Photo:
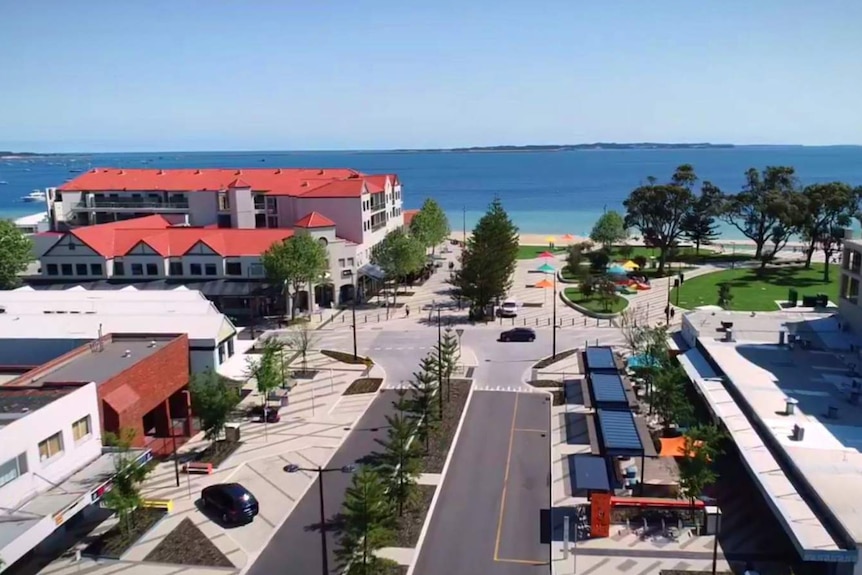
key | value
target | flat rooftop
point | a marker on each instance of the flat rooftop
(804, 480)
(96, 364)
(18, 402)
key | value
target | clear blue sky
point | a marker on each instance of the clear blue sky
(116, 75)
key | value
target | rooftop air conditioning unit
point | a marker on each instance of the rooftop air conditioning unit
(798, 433)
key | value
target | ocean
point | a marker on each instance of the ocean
(544, 192)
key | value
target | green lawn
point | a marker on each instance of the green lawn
(758, 293)
(593, 303)
(530, 252)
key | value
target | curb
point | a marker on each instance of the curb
(591, 313)
(430, 515)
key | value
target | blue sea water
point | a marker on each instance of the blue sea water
(544, 192)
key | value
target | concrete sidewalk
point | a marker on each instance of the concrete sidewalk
(313, 425)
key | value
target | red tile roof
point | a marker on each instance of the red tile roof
(379, 180)
(314, 220)
(118, 238)
(321, 183)
(408, 216)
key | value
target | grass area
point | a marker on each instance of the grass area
(594, 304)
(363, 385)
(187, 545)
(753, 292)
(530, 252)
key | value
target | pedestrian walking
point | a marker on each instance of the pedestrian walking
(406, 311)
(672, 313)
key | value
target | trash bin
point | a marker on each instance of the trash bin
(231, 432)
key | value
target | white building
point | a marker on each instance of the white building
(37, 326)
(52, 465)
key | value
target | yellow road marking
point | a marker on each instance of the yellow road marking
(532, 430)
(522, 561)
(505, 482)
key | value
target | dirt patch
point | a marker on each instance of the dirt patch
(348, 358)
(546, 383)
(554, 359)
(187, 545)
(114, 542)
(217, 452)
(559, 397)
(434, 460)
(409, 525)
(363, 385)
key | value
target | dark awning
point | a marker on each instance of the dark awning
(600, 358)
(588, 472)
(372, 271)
(619, 434)
(581, 430)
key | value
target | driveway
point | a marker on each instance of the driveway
(488, 518)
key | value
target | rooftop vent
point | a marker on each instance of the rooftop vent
(121, 172)
(278, 171)
(237, 173)
(320, 173)
(152, 343)
(127, 353)
(197, 172)
(728, 335)
(798, 433)
(832, 412)
(304, 184)
(790, 405)
(160, 172)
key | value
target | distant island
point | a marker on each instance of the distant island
(6, 155)
(574, 147)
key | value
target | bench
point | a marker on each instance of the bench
(194, 467)
(166, 504)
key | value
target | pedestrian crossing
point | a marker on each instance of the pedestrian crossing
(402, 348)
(506, 388)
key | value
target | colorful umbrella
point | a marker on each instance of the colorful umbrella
(617, 270)
(546, 254)
(568, 237)
(630, 265)
(544, 284)
(547, 269)
(550, 239)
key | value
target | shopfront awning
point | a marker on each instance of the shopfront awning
(588, 473)
(373, 271)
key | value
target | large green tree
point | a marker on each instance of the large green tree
(827, 207)
(265, 369)
(488, 260)
(212, 401)
(399, 255)
(448, 353)
(699, 225)
(367, 523)
(401, 462)
(16, 251)
(658, 211)
(766, 210)
(609, 229)
(697, 464)
(423, 388)
(295, 263)
(430, 225)
(668, 399)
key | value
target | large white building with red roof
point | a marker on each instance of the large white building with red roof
(210, 226)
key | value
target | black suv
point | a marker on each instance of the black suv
(518, 334)
(231, 502)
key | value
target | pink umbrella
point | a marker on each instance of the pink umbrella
(546, 254)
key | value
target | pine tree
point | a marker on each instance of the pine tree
(421, 405)
(367, 523)
(449, 354)
(401, 462)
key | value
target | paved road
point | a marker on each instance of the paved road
(487, 518)
(296, 546)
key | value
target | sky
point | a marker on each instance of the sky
(109, 75)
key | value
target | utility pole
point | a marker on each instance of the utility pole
(554, 331)
(439, 364)
(464, 225)
(353, 309)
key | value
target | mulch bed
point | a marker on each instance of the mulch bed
(187, 545)
(363, 385)
(434, 460)
(345, 357)
(409, 525)
(546, 383)
(114, 542)
(392, 568)
(304, 373)
(554, 359)
(217, 452)
(559, 397)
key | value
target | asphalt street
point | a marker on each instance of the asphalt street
(488, 516)
(296, 546)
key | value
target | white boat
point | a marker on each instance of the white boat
(34, 196)
(3, 182)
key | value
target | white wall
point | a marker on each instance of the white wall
(203, 208)
(345, 212)
(241, 208)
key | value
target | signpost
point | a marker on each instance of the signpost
(459, 332)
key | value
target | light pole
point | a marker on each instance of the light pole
(464, 227)
(291, 468)
(353, 309)
(715, 541)
(554, 331)
(439, 365)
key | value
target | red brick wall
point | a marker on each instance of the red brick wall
(154, 379)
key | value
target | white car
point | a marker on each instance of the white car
(509, 308)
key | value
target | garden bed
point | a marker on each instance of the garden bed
(409, 525)
(114, 542)
(554, 359)
(217, 452)
(363, 385)
(433, 461)
(304, 373)
(348, 358)
(187, 545)
(546, 383)
(559, 397)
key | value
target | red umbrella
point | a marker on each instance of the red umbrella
(546, 254)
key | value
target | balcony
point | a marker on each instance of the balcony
(130, 205)
(377, 206)
(379, 225)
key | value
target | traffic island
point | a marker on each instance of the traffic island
(187, 545)
(552, 359)
(364, 385)
(347, 358)
(118, 539)
(409, 525)
(441, 442)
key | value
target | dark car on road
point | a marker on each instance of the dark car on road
(231, 502)
(518, 334)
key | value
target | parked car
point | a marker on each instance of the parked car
(257, 413)
(232, 502)
(508, 309)
(519, 334)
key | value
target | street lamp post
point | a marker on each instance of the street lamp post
(291, 468)
(715, 541)
(554, 331)
(439, 364)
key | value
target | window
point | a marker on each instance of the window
(72, 247)
(51, 447)
(230, 348)
(81, 269)
(137, 269)
(260, 221)
(341, 262)
(350, 262)
(175, 268)
(272, 221)
(13, 469)
(223, 202)
(152, 270)
(119, 269)
(52, 269)
(195, 269)
(210, 269)
(95, 269)
(221, 354)
(233, 269)
(66, 269)
(81, 428)
(223, 221)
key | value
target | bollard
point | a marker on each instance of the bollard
(585, 321)
(378, 318)
(525, 321)
(537, 321)
(365, 318)
(549, 321)
(573, 322)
